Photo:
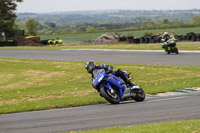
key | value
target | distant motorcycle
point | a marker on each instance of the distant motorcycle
(170, 46)
(113, 88)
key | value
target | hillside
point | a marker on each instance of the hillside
(101, 16)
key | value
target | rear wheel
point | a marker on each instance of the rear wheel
(140, 96)
(176, 49)
(110, 96)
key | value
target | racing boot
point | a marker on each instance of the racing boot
(134, 87)
(127, 81)
(120, 73)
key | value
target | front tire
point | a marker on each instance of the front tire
(113, 98)
(140, 96)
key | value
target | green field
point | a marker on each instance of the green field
(91, 36)
(189, 126)
(113, 46)
(28, 85)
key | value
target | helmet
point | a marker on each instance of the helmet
(90, 66)
(166, 34)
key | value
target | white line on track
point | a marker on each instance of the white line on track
(172, 98)
(182, 51)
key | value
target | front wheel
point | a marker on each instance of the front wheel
(110, 96)
(140, 96)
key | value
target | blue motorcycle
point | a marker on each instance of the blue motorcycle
(113, 88)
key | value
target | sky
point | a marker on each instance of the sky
(44, 6)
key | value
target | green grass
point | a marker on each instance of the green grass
(114, 46)
(189, 126)
(91, 36)
(27, 85)
(77, 37)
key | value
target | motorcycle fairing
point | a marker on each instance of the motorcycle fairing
(97, 80)
(118, 82)
(110, 79)
(108, 86)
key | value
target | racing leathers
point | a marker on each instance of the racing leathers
(168, 41)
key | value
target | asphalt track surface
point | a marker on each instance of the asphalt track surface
(153, 109)
(185, 58)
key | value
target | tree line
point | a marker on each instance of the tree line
(91, 21)
(33, 27)
(35, 24)
(118, 16)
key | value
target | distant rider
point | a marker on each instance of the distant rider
(91, 66)
(166, 37)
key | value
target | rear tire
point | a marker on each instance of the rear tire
(114, 99)
(140, 96)
(176, 49)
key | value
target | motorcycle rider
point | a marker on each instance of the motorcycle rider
(165, 38)
(91, 66)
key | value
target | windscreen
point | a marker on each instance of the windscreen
(96, 72)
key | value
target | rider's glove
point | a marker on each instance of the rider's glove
(94, 86)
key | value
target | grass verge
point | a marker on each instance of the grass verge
(189, 126)
(27, 85)
(113, 46)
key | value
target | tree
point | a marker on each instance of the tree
(81, 28)
(8, 16)
(52, 25)
(165, 21)
(32, 26)
(196, 20)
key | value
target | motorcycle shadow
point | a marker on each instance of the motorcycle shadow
(171, 54)
(126, 102)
